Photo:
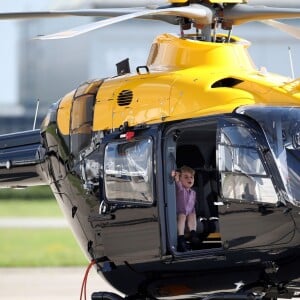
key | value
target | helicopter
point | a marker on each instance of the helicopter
(108, 148)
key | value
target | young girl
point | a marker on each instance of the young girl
(185, 203)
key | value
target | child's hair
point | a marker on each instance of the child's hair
(187, 169)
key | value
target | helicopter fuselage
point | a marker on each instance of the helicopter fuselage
(107, 150)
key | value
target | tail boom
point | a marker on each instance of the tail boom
(21, 160)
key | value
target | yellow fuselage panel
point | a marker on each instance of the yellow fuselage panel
(178, 1)
(64, 113)
(150, 100)
(158, 98)
(228, 1)
(271, 89)
(192, 93)
(184, 94)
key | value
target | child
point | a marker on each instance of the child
(185, 203)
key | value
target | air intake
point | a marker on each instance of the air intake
(125, 97)
(226, 82)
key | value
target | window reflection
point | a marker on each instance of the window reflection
(128, 171)
(239, 159)
(81, 122)
(281, 126)
(243, 176)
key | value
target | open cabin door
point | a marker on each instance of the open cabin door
(193, 144)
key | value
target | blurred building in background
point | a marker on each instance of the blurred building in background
(47, 70)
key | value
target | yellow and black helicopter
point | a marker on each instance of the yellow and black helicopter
(107, 150)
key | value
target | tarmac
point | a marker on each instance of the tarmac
(48, 283)
(29, 222)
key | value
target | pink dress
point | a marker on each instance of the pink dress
(185, 199)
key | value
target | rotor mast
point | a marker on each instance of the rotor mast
(207, 32)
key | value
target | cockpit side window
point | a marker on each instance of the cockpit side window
(128, 171)
(243, 174)
(281, 126)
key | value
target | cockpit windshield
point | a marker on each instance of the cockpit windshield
(281, 126)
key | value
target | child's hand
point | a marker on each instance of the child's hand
(175, 175)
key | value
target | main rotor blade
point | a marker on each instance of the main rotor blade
(198, 13)
(241, 13)
(291, 30)
(66, 13)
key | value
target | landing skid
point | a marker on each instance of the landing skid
(217, 296)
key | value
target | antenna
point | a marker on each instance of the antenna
(36, 112)
(291, 62)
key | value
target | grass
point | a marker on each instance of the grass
(37, 192)
(32, 247)
(32, 208)
(39, 247)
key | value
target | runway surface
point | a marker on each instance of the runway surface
(47, 283)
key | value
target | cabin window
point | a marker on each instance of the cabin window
(82, 114)
(128, 171)
(243, 175)
(81, 122)
(281, 127)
